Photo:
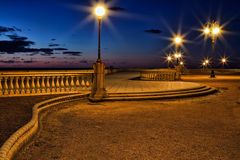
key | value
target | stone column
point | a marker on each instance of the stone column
(77, 87)
(57, 85)
(72, 84)
(17, 91)
(5, 86)
(38, 85)
(43, 85)
(22, 85)
(67, 84)
(53, 84)
(62, 84)
(27, 85)
(11, 86)
(1, 88)
(48, 85)
(98, 89)
(33, 85)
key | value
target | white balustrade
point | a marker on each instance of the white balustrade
(160, 75)
(40, 83)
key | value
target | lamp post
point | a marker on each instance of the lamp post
(177, 56)
(169, 60)
(204, 65)
(100, 12)
(98, 89)
(212, 30)
(224, 61)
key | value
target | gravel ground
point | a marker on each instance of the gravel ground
(15, 112)
(187, 129)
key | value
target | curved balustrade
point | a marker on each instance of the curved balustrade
(160, 75)
(40, 83)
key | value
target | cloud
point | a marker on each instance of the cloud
(71, 53)
(153, 31)
(8, 61)
(117, 9)
(15, 37)
(6, 29)
(9, 29)
(53, 45)
(29, 61)
(14, 46)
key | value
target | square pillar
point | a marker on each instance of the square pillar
(98, 92)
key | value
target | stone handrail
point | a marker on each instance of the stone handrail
(160, 75)
(43, 83)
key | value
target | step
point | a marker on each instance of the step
(154, 92)
(166, 96)
(157, 93)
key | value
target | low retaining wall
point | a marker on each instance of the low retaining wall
(25, 133)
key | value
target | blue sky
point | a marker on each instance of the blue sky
(126, 43)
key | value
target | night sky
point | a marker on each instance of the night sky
(60, 34)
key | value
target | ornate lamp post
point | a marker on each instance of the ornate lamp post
(212, 30)
(224, 61)
(178, 56)
(98, 89)
(169, 60)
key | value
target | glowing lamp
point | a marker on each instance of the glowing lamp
(206, 31)
(100, 11)
(178, 40)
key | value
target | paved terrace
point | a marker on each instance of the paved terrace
(122, 83)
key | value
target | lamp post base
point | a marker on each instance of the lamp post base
(212, 75)
(98, 90)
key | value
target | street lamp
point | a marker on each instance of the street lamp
(224, 61)
(178, 56)
(204, 65)
(98, 90)
(100, 11)
(212, 30)
(169, 60)
(178, 40)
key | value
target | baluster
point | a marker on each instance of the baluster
(83, 84)
(33, 87)
(77, 83)
(57, 85)
(53, 84)
(67, 84)
(5, 86)
(87, 84)
(43, 85)
(72, 88)
(27, 85)
(17, 89)
(1, 88)
(38, 85)
(22, 85)
(48, 85)
(11, 86)
(62, 84)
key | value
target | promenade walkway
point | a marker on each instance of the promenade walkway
(122, 83)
